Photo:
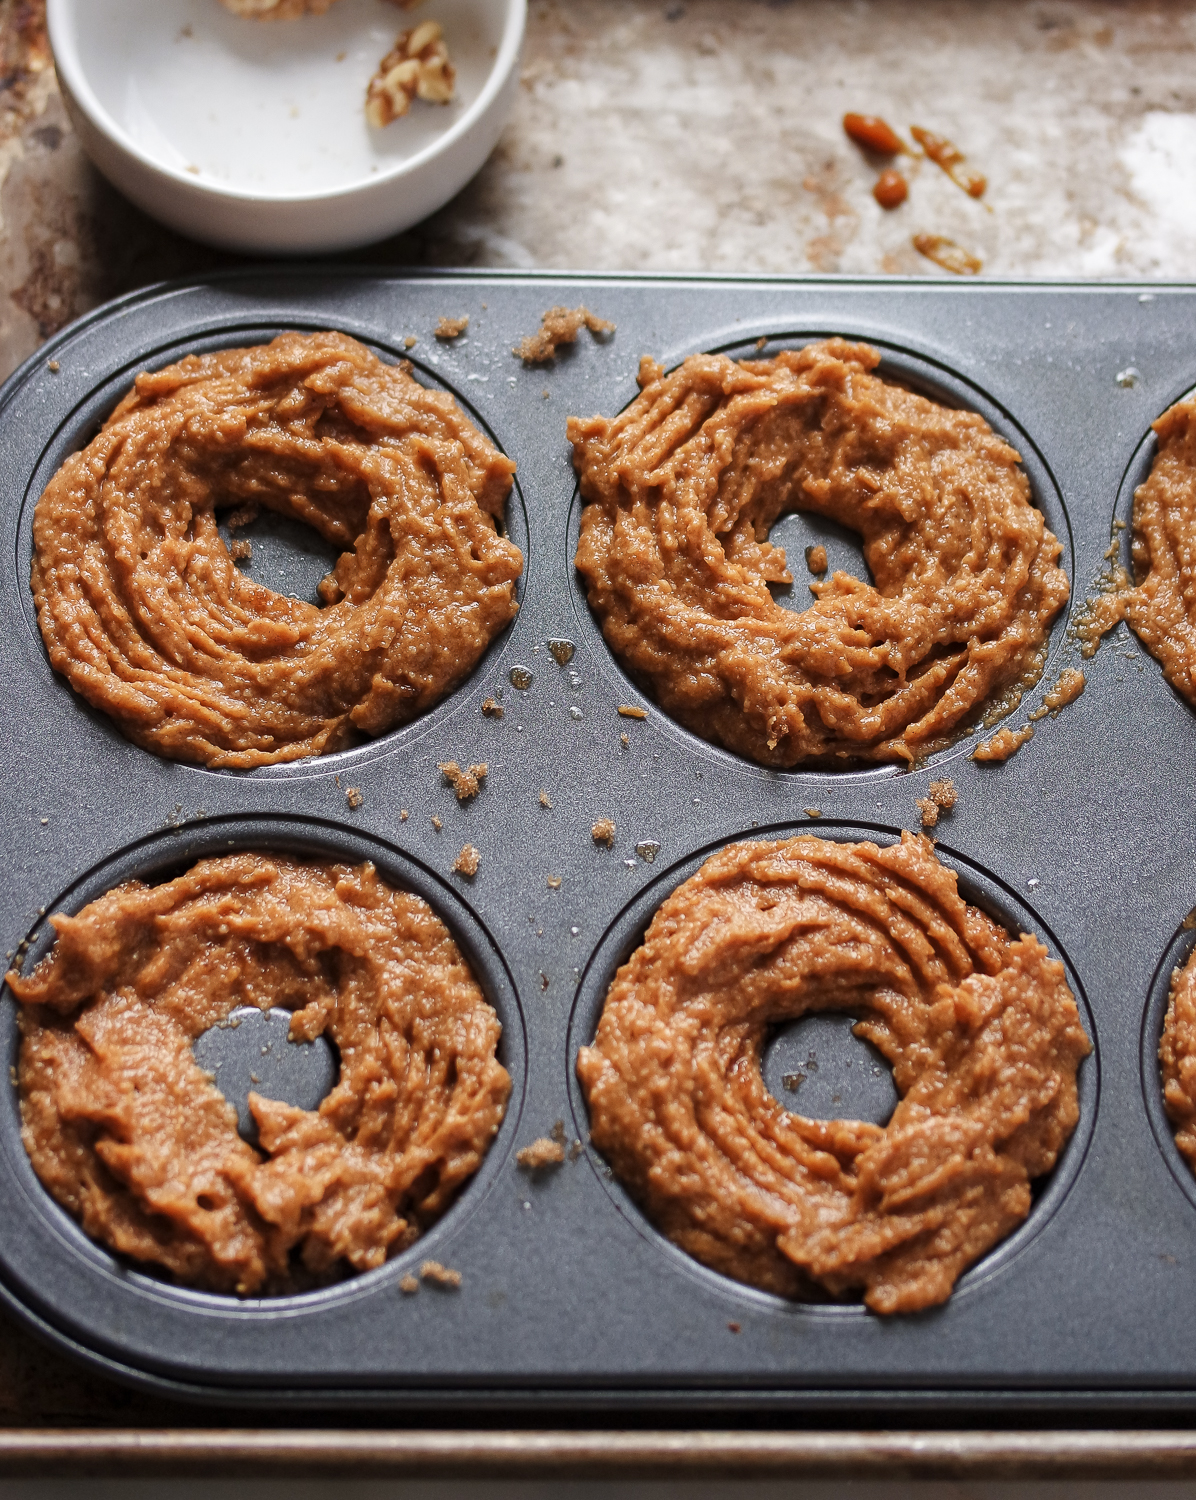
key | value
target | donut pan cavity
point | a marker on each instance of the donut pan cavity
(569, 1298)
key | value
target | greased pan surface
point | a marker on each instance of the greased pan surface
(568, 1294)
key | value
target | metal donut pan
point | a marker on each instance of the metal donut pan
(569, 1299)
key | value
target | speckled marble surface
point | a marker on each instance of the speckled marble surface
(690, 135)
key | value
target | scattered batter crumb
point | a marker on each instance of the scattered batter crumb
(466, 783)
(402, 814)
(353, 797)
(1066, 690)
(416, 66)
(545, 801)
(812, 812)
(625, 740)
(433, 1271)
(559, 325)
(554, 882)
(53, 366)
(240, 549)
(941, 798)
(816, 559)
(492, 708)
(541, 1153)
(409, 1284)
(946, 154)
(1003, 744)
(436, 823)
(630, 711)
(410, 341)
(603, 832)
(467, 862)
(451, 328)
(949, 255)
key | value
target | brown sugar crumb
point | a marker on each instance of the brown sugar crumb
(353, 797)
(946, 154)
(466, 783)
(949, 255)
(812, 812)
(545, 801)
(439, 1275)
(554, 882)
(467, 862)
(603, 832)
(417, 66)
(451, 328)
(630, 711)
(559, 325)
(816, 559)
(492, 708)
(890, 189)
(436, 823)
(240, 549)
(541, 1153)
(1004, 743)
(408, 1284)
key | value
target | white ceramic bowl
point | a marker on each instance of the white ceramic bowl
(252, 134)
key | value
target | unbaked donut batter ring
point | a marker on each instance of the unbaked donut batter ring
(133, 1138)
(144, 611)
(681, 489)
(981, 1030)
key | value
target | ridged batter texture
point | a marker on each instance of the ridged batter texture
(1177, 1059)
(681, 489)
(144, 611)
(981, 1030)
(132, 1137)
(1162, 608)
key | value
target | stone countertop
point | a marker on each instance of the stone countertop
(687, 135)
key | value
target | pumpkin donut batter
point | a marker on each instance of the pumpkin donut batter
(1177, 1059)
(132, 1137)
(981, 1030)
(1162, 608)
(145, 613)
(681, 490)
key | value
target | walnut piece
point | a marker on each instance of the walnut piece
(417, 66)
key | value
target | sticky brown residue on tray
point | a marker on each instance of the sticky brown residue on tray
(417, 66)
(145, 613)
(947, 254)
(451, 328)
(465, 782)
(559, 325)
(981, 1030)
(1004, 743)
(941, 797)
(603, 832)
(681, 489)
(128, 1133)
(468, 862)
(947, 155)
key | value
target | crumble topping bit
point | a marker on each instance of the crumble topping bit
(603, 832)
(467, 862)
(417, 66)
(941, 798)
(466, 783)
(559, 325)
(439, 1275)
(451, 328)
(408, 1284)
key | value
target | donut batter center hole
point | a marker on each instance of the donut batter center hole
(798, 531)
(249, 1053)
(287, 556)
(816, 1066)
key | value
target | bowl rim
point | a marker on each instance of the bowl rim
(60, 17)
